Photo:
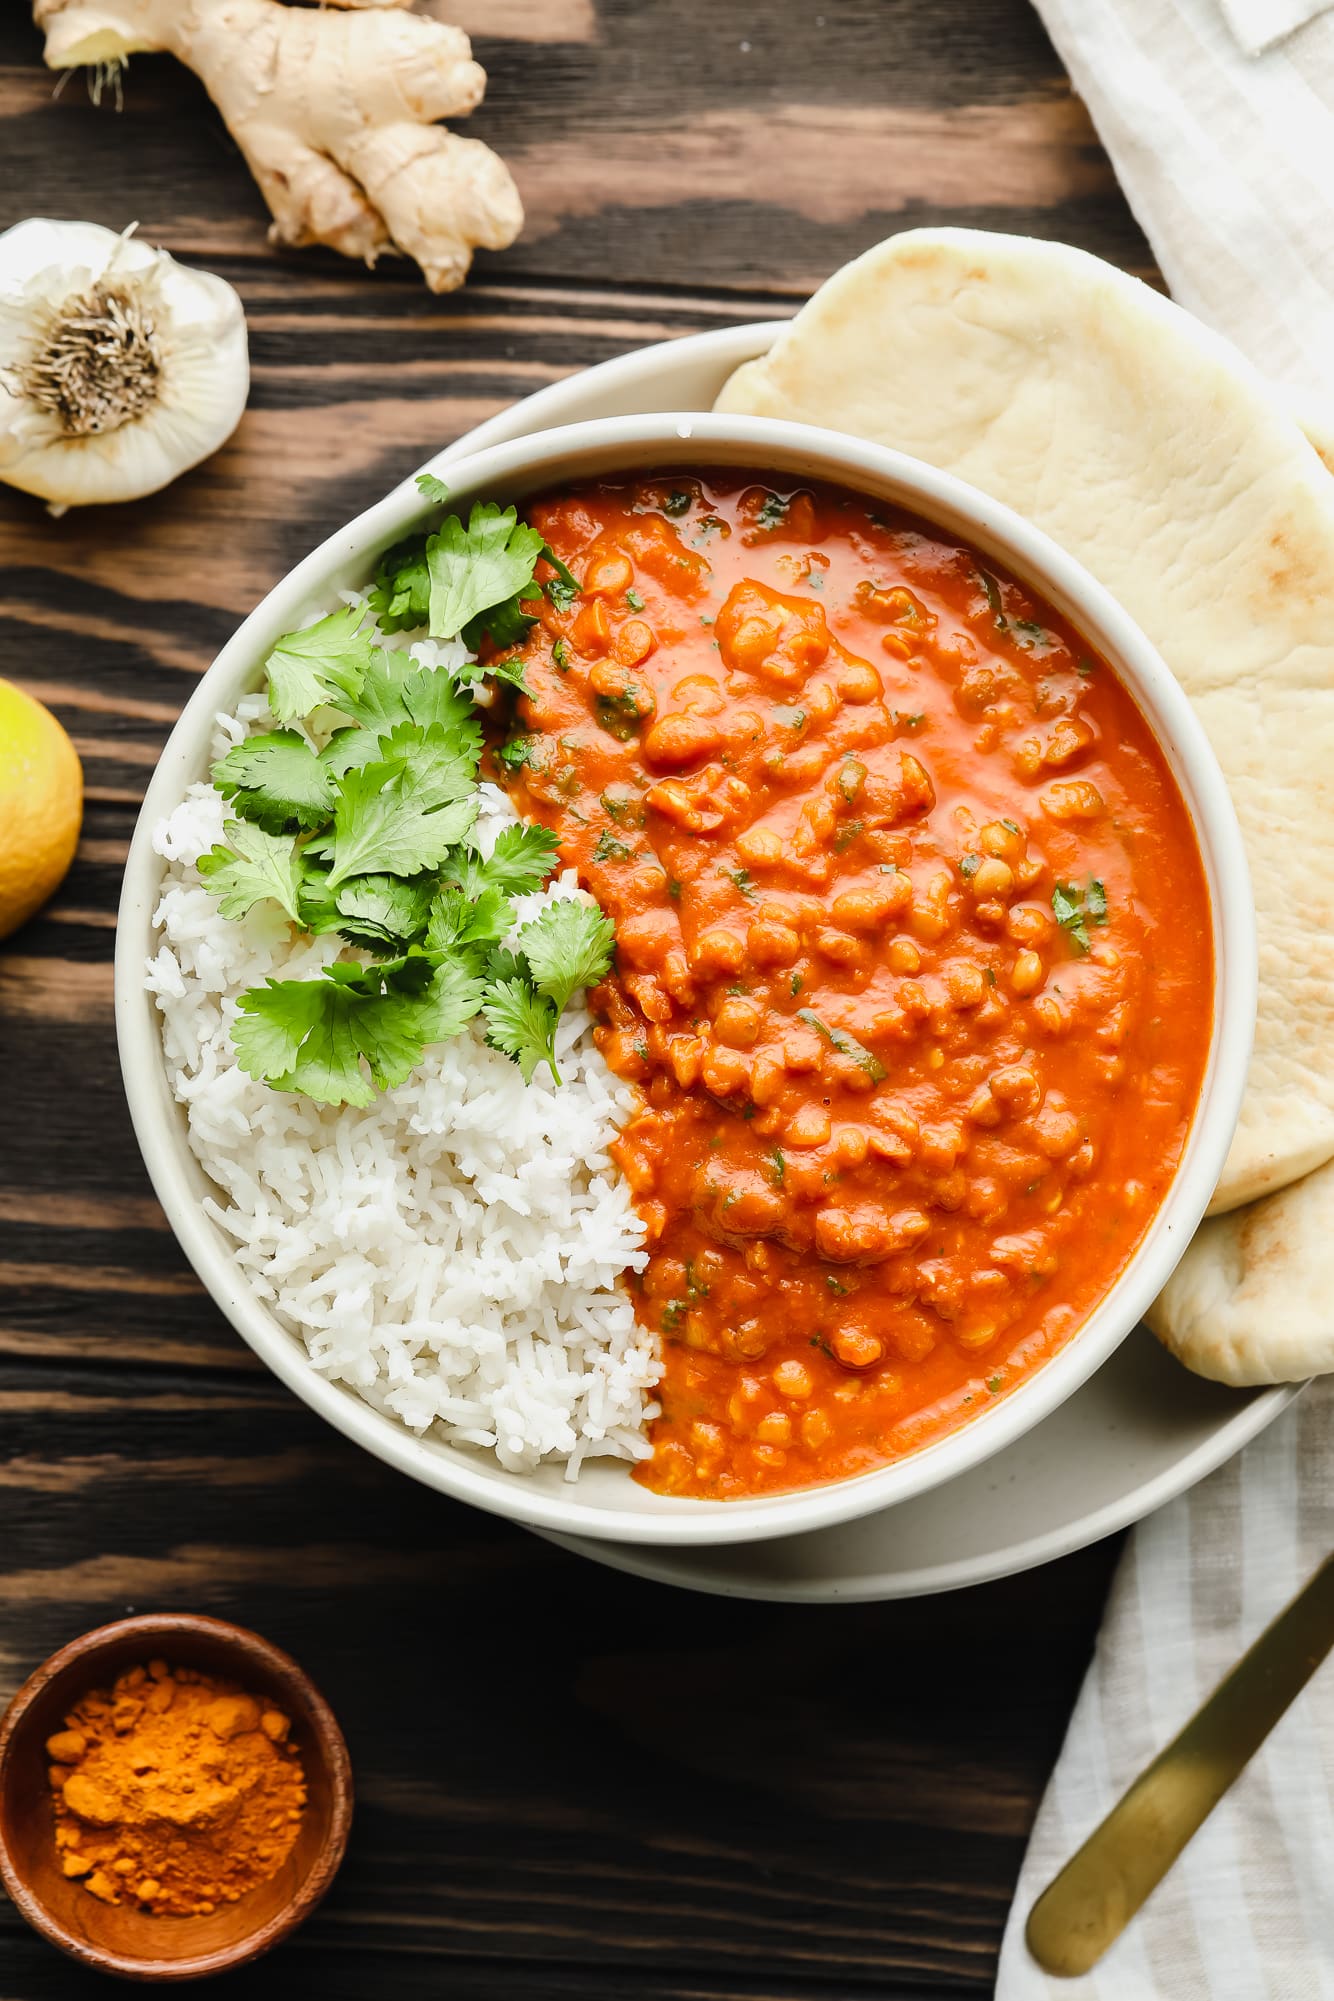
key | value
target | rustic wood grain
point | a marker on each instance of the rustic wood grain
(571, 1783)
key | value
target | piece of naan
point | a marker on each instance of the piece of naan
(1149, 448)
(1252, 1300)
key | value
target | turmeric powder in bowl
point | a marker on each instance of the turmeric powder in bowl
(174, 1791)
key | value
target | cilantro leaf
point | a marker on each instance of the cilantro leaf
(326, 662)
(393, 1033)
(401, 596)
(272, 1024)
(505, 625)
(458, 922)
(437, 756)
(403, 814)
(397, 698)
(257, 865)
(568, 946)
(475, 569)
(433, 488)
(521, 860)
(522, 1022)
(350, 749)
(509, 671)
(385, 912)
(449, 1001)
(502, 964)
(397, 690)
(276, 780)
(310, 1035)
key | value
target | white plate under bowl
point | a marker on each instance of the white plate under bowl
(1139, 1432)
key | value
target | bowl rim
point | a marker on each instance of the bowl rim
(526, 464)
(85, 1651)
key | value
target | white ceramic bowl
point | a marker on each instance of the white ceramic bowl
(605, 1501)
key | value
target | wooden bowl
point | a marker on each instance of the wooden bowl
(116, 1938)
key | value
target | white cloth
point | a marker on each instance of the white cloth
(1219, 119)
(1227, 160)
(1258, 24)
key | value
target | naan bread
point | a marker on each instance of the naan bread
(1149, 448)
(1252, 1301)
(1153, 451)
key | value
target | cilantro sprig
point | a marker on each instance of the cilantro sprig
(569, 945)
(309, 1035)
(372, 836)
(469, 580)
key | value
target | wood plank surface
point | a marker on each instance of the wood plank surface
(570, 1783)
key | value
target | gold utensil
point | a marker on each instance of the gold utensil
(1087, 1906)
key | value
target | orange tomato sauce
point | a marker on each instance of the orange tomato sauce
(914, 962)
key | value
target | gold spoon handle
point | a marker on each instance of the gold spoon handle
(1086, 1907)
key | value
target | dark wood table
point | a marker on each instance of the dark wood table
(781, 1803)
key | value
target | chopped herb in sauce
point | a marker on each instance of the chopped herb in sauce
(1029, 634)
(845, 1044)
(633, 599)
(773, 511)
(609, 849)
(618, 716)
(992, 594)
(1076, 908)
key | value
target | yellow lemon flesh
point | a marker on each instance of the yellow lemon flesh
(41, 805)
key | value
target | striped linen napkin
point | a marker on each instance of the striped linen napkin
(1219, 118)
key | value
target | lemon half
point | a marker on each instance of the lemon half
(41, 805)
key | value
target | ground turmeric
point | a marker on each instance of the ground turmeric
(174, 1792)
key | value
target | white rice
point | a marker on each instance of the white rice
(452, 1251)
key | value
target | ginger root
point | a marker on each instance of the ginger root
(334, 114)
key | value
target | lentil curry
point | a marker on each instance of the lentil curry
(914, 959)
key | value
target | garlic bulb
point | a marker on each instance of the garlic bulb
(118, 367)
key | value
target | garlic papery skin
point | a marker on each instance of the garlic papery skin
(119, 367)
